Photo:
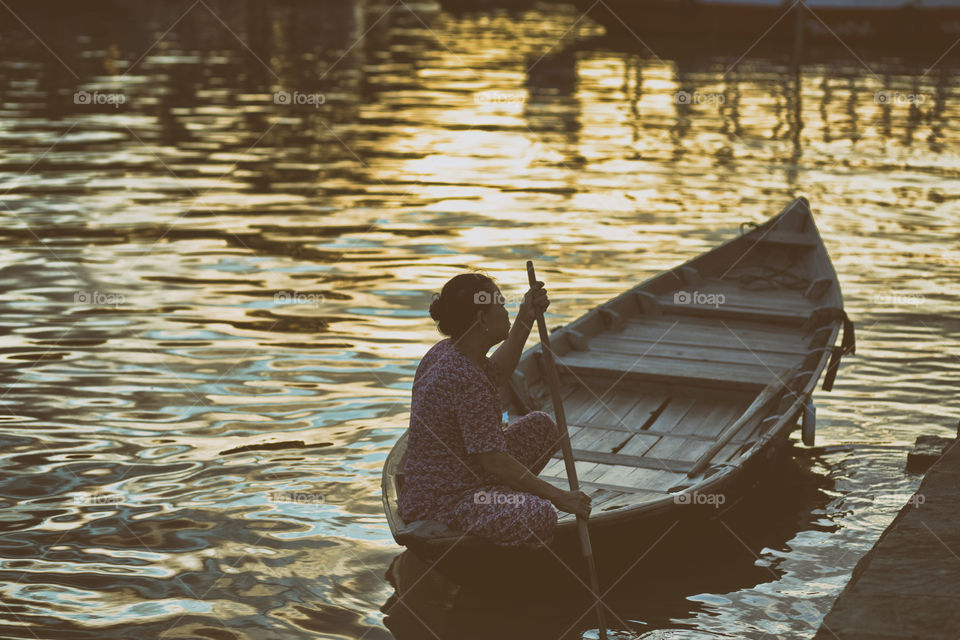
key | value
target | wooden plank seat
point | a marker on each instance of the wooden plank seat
(777, 297)
(731, 311)
(642, 462)
(652, 433)
(695, 354)
(726, 298)
(640, 367)
(718, 334)
(706, 351)
(589, 487)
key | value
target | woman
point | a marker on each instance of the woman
(463, 468)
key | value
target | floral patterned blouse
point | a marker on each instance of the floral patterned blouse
(455, 413)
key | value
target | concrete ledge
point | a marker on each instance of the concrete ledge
(908, 585)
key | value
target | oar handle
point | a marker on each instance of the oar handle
(553, 381)
(541, 324)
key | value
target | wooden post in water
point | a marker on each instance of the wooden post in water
(799, 11)
(553, 381)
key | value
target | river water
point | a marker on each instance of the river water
(222, 224)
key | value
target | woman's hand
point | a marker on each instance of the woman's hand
(515, 475)
(535, 301)
(576, 502)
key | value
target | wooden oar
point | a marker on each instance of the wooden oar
(553, 381)
(769, 393)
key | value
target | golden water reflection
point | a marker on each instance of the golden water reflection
(203, 268)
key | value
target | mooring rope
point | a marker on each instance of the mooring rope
(772, 278)
(765, 277)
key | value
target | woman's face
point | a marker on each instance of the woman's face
(497, 318)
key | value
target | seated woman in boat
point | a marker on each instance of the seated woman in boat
(463, 467)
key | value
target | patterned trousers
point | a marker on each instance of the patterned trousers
(504, 515)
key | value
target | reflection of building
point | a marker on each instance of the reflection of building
(206, 76)
(471, 6)
(697, 100)
(429, 106)
(886, 24)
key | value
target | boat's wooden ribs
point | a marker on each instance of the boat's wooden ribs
(818, 288)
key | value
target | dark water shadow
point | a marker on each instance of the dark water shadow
(726, 556)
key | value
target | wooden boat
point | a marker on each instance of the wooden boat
(889, 23)
(677, 393)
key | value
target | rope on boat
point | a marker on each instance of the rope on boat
(772, 278)
(765, 277)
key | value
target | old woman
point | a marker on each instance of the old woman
(463, 467)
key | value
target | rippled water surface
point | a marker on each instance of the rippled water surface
(222, 224)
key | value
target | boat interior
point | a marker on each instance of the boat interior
(672, 380)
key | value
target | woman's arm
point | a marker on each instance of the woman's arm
(508, 354)
(514, 474)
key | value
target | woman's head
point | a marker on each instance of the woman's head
(470, 300)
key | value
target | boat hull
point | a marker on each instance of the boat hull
(642, 543)
(678, 394)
